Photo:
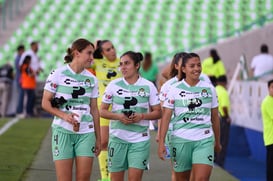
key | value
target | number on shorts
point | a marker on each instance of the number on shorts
(174, 152)
(56, 139)
(111, 152)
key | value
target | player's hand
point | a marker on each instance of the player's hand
(124, 119)
(161, 151)
(97, 148)
(136, 117)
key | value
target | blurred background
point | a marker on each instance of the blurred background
(236, 28)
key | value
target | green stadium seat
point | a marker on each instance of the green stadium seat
(156, 25)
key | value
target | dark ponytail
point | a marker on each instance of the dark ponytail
(175, 61)
(78, 45)
(68, 57)
(98, 51)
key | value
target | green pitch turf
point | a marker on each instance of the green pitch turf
(19, 145)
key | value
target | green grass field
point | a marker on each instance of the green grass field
(19, 146)
(3, 121)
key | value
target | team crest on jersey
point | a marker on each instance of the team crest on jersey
(141, 92)
(87, 82)
(204, 93)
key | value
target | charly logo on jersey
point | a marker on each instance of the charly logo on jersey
(204, 93)
(119, 92)
(182, 93)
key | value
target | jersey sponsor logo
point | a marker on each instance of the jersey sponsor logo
(119, 92)
(193, 103)
(144, 134)
(107, 96)
(186, 119)
(185, 93)
(87, 82)
(171, 101)
(129, 101)
(78, 101)
(182, 93)
(90, 126)
(110, 74)
(77, 91)
(68, 81)
(68, 107)
(53, 85)
(197, 119)
(79, 108)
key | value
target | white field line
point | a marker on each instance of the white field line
(8, 125)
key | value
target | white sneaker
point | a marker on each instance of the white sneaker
(20, 116)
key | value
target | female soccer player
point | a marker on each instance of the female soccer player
(134, 102)
(195, 132)
(70, 94)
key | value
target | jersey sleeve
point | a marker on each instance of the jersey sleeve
(107, 96)
(214, 102)
(154, 98)
(95, 90)
(51, 83)
(170, 100)
(162, 93)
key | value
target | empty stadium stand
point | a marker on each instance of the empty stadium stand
(159, 26)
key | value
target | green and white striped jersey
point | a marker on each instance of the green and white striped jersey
(192, 110)
(74, 92)
(136, 98)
